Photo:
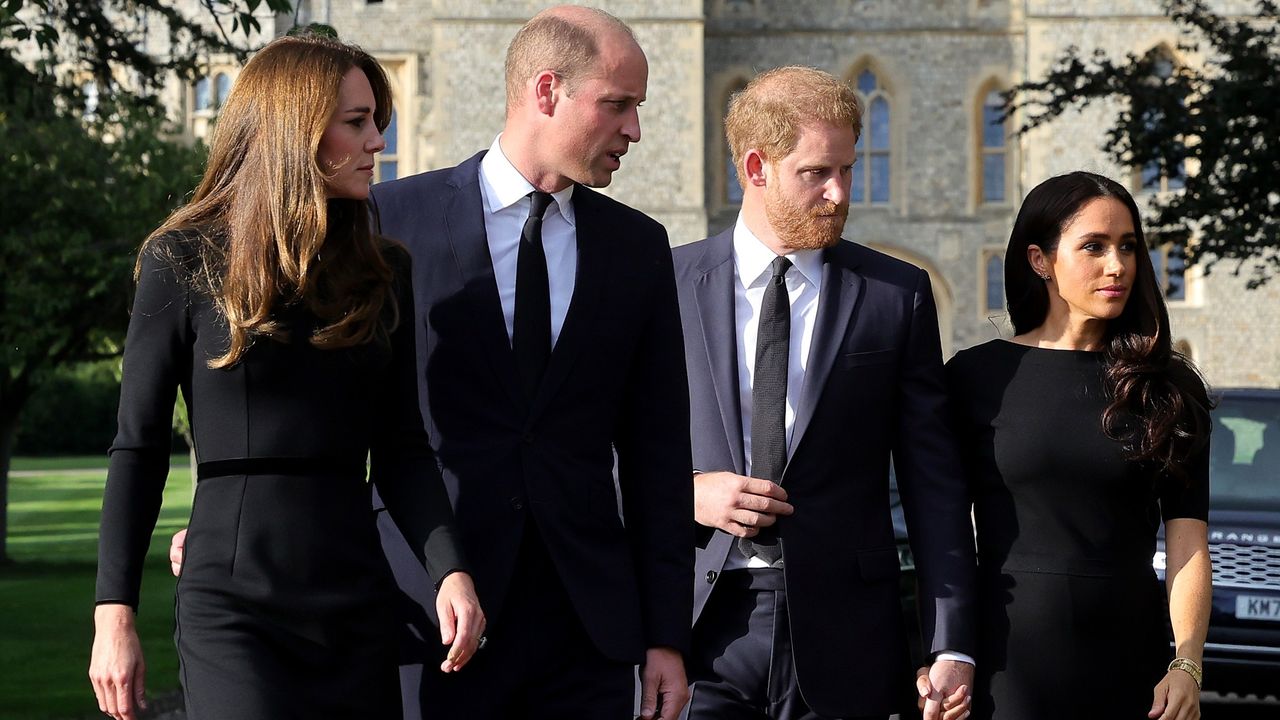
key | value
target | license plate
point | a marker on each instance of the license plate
(1252, 607)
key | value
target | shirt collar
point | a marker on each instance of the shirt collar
(503, 186)
(753, 258)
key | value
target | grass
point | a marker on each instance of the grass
(46, 594)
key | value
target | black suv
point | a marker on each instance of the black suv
(1242, 653)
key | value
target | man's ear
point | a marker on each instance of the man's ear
(547, 90)
(756, 167)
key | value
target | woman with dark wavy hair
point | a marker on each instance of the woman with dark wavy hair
(282, 318)
(1081, 435)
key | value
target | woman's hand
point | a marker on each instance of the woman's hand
(116, 668)
(953, 707)
(461, 619)
(1176, 697)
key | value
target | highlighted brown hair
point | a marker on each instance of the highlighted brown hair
(266, 234)
(768, 114)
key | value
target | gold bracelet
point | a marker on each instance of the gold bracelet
(1190, 667)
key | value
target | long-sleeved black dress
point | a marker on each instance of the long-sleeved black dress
(1072, 620)
(284, 605)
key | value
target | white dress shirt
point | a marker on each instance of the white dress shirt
(505, 193)
(752, 262)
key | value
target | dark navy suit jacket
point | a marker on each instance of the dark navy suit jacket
(615, 383)
(873, 388)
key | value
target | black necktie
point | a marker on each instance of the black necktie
(531, 336)
(769, 400)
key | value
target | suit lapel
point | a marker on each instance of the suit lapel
(589, 282)
(713, 289)
(841, 287)
(464, 225)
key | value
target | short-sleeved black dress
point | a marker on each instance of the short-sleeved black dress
(285, 603)
(1073, 622)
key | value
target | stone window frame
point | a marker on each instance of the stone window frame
(1137, 175)
(728, 186)
(402, 75)
(720, 156)
(984, 312)
(200, 119)
(979, 151)
(1192, 276)
(887, 88)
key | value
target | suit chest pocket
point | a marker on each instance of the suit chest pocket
(868, 358)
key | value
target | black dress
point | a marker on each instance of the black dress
(285, 603)
(1073, 621)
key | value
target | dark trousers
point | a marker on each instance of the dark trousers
(741, 666)
(538, 661)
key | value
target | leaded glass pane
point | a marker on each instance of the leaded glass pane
(391, 136)
(992, 125)
(222, 84)
(879, 178)
(1176, 287)
(732, 189)
(993, 177)
(995, 283)
(879, 124)
(866, 82)
(203, 100)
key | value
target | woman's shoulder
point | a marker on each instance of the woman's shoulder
(181, 249)
(979, 357)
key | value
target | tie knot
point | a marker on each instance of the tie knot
(540, 202)
(780, 266)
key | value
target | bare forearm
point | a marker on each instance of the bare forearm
(1189, 581)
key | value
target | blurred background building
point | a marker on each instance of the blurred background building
(938, 180)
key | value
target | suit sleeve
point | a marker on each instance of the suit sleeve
(933, 490)
(402, 464)
(157, 356)
(654, 465)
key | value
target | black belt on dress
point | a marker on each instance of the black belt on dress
(342, 467)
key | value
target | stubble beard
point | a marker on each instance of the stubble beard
(801, 228)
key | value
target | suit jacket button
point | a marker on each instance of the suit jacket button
(517, 503)
(711, 577)
(527, 439)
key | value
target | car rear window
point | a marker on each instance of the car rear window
(1244, 464)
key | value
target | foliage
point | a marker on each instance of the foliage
(74, 412)
(88, 171)
(1220, 121)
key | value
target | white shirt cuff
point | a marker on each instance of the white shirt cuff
(958, 657)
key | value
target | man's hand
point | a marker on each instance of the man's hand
(737, 504)
(945, 690)
(176, 546)
(461, 619)
(663, 687)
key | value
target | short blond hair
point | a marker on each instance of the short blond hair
(564, 45)
(769, 112)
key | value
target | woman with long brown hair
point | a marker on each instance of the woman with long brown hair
(269, 302)
(1080, 436)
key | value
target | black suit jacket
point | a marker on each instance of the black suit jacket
(873, 387)
(615, 383)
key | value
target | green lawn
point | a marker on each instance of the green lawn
(46, 595)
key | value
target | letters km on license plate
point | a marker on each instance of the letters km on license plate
(1253, 607)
